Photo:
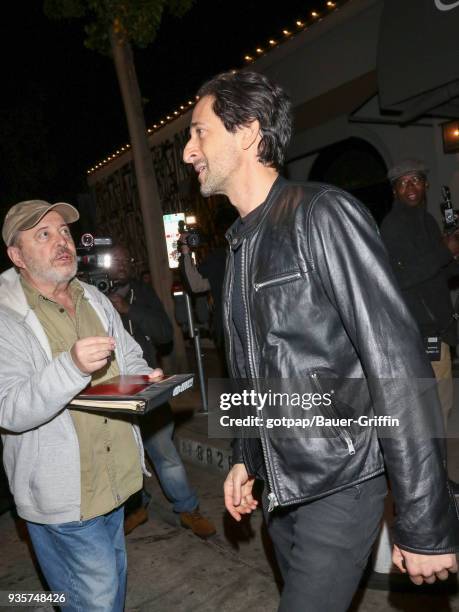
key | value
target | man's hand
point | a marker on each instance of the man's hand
(424, 568)
(452, 242)
(184, 248)
(156, 375)
(119, 303)
(238, 492)
(92, 353)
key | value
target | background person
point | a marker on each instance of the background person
(145, 319)
(423, 260)
(209, 274)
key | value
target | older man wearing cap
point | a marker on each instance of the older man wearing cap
(423, 260)
(70, 471)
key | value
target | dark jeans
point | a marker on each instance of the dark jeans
(322, 547)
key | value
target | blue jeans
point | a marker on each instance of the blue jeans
(157, 432)
(86, 560)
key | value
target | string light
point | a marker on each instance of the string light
(248, 58)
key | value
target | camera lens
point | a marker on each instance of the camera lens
(193, 240)
(103, 285)
(87, 240)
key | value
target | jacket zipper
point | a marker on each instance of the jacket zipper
(278, 280)
(228, 310)
(342, 433)
(273, 501)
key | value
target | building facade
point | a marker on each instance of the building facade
(341, 135)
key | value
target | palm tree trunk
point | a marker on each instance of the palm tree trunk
(150, 205)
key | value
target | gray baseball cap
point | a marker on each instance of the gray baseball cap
(407, 166)
(27, 214)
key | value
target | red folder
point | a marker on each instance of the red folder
(128, 393)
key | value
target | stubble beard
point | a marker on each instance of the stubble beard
(50, 274)
(220, 173)
(214, 183)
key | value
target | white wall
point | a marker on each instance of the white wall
(392, 142)
(338, 49)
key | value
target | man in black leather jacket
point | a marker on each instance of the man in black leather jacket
(309, 295)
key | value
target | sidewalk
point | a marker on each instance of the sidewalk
(171, 570)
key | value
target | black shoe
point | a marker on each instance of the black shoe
(454, 486)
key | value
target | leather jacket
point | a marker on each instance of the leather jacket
(321, 301)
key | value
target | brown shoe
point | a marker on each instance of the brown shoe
(134, 519)
(198, 524)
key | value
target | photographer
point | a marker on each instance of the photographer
(208, 276)
(145, 319)
(423, 259)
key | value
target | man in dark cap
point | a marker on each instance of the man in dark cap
(70, 471)
(423, 259)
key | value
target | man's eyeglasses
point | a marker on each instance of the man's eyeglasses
(122, 260)
(416, 180)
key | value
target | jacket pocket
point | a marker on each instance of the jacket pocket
(280, 279)
(330, 413)
(55, 481)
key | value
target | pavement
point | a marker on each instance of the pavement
(171, 570)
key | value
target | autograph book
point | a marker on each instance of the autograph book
(132, 393)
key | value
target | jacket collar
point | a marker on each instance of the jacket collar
(239, 230)
(11, 293)
(13, 299)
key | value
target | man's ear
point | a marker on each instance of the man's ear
(14, 253)
(250, 134)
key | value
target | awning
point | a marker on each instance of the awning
(341, 100)
(418, 58)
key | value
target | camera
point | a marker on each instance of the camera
(194, 238)
(94, 260)
(449, 215)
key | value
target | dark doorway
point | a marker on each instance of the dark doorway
(356, 166)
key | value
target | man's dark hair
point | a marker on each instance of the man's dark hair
(242, 97)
